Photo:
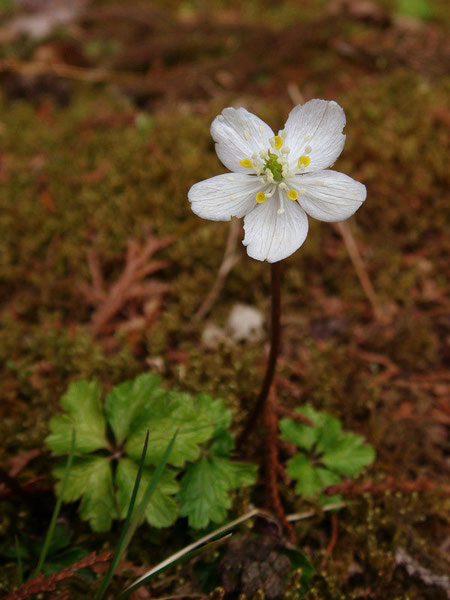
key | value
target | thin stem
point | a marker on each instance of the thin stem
(275, 342)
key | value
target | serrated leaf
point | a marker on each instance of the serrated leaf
(125, 401)
(234, 474)
(204, 494)
(308, 478)
(215, 409)
(162, 510)
(348, 455)
(90, 479)
(83, 413)
(300, 434)
(174, 412)
(222, 444)
(329, 430)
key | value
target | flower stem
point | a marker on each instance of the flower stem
(275, 341)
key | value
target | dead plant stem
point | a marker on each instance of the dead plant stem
(275, 343)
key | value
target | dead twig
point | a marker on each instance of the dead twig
(349, 487)
(40, 584)
(272, 464)
(229, 260)
(361, 272)
(129, 286)
(332, 542)
(414, 568)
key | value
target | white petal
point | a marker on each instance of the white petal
(238, 134)
(328, 195)
(224, 196)
(315, 129)
(272, 237)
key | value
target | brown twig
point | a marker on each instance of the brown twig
(229, 260)
(254, 414)
(333, 540)
(40, 584)
(272, 464)
(361, 272)
(349, 487)
(129, 285)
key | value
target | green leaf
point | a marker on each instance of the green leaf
(348, 455)
(329, 431)
(216, 411)
(84, 414)
(204, 495)
(162, 510)
(163, 417)
(308, 478)
(125, 401)
(205, 487)
(90, 479)
(222, 444)
(234, 474)
(300, 434)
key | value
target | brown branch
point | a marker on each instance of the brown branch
(229, 260)
(275, 344)
(40, 584)
(272, 464)
(333, 540)
(361, 272)
(349, 487)
(128, 286)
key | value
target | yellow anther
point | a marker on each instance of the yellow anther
(277, 142)
(304, 161)
(261, 197)
(292, 194)
(246, 162)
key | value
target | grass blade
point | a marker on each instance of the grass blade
(120, 544)
(19, 561)
(190, 551)
(51, 528)
(131, 523)
(150, 489)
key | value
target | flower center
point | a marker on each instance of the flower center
(275, 167)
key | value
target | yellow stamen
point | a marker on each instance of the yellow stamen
(303, 161)
(246, 162)
(277, 142)
(292, 194)
(261, 197)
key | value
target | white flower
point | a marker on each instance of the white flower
(277, 179)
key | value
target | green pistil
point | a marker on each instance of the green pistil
(274, 166)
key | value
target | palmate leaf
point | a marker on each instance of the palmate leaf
(310, 480)
(83, 413)
(326, 430)
(162, 509)
(125, 402)
(348, 455)
(205, 488)
(90, 479)
(163, 417)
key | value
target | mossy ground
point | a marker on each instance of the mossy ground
(108, 162)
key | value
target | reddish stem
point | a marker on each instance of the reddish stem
(275, 341)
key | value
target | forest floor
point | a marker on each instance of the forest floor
(104, 126)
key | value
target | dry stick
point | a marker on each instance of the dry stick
(333, 540)
(229, 260)
(258, 409)
(360, 269)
